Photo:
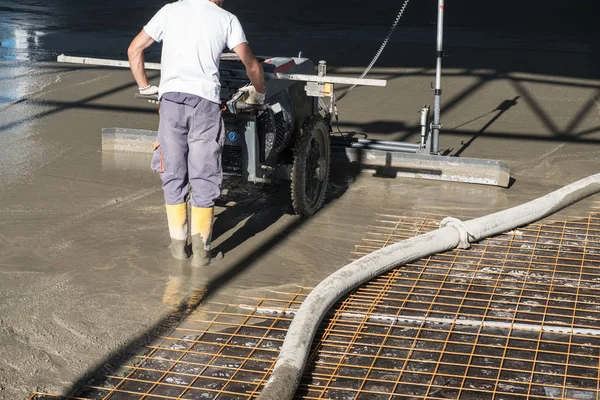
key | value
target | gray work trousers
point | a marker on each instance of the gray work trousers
(188, 149)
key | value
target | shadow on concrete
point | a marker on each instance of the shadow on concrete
(400, 131)
(99, 373)
(85, 103)
(264, 209)
(257, 207)
(554, 38)
(501, 109)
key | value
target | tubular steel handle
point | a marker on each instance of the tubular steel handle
(243, 106)
(146, 96)
(289, 77)
(240, 105)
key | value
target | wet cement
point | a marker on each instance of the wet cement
(85, 271)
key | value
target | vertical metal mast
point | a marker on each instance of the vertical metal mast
(438, 80)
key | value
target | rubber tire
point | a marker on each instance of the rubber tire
(314, 128)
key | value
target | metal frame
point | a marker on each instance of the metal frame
(422, 160)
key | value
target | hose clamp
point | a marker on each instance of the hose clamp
(465, 237)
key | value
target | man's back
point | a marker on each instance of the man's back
(194, 34)
(191, 133)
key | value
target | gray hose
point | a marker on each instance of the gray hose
(284, 381)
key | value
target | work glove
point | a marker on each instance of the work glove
(148, 91)
(254, 97)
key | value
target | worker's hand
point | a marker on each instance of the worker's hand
(148, 90)
(254, 97)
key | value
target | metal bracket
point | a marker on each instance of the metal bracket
(251, 153)
(314, 89)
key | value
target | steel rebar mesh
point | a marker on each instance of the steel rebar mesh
(514, 317)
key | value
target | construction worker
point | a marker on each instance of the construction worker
(191, 130)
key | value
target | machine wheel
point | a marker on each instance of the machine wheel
(310, 170)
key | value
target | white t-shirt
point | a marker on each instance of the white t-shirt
(194, 34)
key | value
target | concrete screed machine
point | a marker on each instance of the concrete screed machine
(289, 138)
(286, 139)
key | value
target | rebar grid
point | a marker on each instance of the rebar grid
(514, 317)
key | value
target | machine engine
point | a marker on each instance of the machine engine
(266, 136)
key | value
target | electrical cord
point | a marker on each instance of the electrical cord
(322, 104)
(380, 51)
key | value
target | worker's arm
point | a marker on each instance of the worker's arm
(135, 54)
(254, 69)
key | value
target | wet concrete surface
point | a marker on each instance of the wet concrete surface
(84, 267)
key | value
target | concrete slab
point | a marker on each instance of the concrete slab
(128, 140)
